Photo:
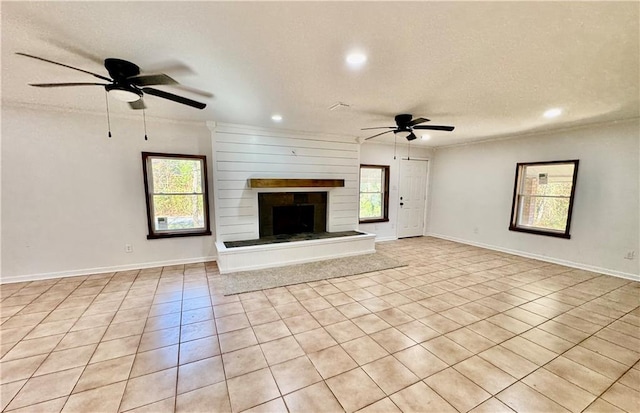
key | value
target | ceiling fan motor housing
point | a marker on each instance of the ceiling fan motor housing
(120, 69)
(404, 129)
(403, 120)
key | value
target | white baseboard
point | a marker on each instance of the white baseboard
(580, 266)
(101, 270)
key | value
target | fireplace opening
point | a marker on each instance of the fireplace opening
(290, 213)
(292, 219)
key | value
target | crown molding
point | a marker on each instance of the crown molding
(112, 115)
(540, 132)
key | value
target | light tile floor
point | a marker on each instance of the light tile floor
(457, 329)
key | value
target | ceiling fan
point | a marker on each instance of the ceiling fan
(405, 126)
(125, 84)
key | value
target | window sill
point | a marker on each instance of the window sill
(541, 232)
(179, 234)
(372, 221)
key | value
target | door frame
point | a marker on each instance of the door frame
(426, 193)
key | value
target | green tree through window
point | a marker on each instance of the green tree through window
(374, 193)
(176, 194)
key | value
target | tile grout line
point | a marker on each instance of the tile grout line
(213, 315)
(100, 341)
(138, 345)
(504, 291)
(415, 319)
(529, 301)
(560, 354)
(53, 349)
(516, 335)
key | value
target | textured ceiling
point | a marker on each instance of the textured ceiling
(489, 68)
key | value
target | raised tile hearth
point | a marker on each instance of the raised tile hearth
(276, 254)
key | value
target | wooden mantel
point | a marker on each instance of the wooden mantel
(295, 183)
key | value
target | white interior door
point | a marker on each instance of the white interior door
(413, 191)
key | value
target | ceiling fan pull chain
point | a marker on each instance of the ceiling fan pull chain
(395, 142)
(106, 99)
(144, 120)
(409, 152)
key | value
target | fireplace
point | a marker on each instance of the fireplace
(287, 213)
(292, 219)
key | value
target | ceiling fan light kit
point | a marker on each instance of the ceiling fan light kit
(404, 133)
(124, 93)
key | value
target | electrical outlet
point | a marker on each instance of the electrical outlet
(630, 255)
(128, 248)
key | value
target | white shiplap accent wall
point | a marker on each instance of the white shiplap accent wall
(243, 152)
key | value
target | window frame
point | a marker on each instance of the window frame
(187, 232)
(515, 204)
(385, 195)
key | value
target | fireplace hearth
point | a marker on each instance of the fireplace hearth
(287, 213)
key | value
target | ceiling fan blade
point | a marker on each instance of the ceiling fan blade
(66, 84)
(138, 104)
(67, 66)
(417, 121)
(172, 66)
(435, 127)
(193, 90)
(148, 80)
(73, 49)
(380, 127)
(411, 137)
(175, 98)
(371, 137)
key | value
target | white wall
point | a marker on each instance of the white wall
(72, 198)
(472, 188)
(382, 154)
(243, 152)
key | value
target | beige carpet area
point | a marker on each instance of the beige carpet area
(246, 281)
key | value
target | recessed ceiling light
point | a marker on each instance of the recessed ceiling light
(426, 137)
(552, 113)
(356, 60)
(276, 118)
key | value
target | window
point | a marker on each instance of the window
(374, 193)
(176, 192)
(543, 197)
